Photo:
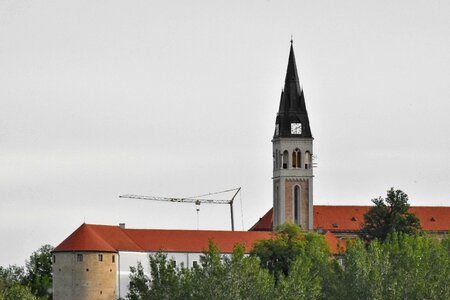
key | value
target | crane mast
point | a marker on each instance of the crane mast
(197, 200)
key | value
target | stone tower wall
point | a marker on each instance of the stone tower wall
(86, 279)
(285, 179)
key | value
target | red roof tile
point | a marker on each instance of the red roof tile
(265, 223)
(105, 238)
(193, 240)
(334, 243)
(90, 237)
(338, 218)
(85, 238)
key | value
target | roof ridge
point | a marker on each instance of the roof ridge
(124, 231)
(183, 230)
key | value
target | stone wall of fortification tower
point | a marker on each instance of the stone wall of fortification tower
(84, 275)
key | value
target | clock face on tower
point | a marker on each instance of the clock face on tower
(296, 128)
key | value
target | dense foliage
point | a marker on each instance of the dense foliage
(216, 277)
(34, 281)
(402, 267)
(389, 215)
(293, 247)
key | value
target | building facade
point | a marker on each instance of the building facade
(94, 261)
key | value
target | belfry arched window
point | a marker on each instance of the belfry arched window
(307, 160)
(280, 159)
(275, 160)
(296, 159)
(285, 159)
(297, 204)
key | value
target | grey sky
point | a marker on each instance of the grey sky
(102, 98)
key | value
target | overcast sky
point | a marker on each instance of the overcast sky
(102, 98)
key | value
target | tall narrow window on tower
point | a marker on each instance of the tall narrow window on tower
(296, 204)
(285, 159)
(296, 160)
(277, 160)
(307, 160)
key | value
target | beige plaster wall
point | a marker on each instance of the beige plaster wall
(89, 279)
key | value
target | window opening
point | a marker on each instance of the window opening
(285, 159)
(296, 161)
(100, 257)
(307, 160)
(79, 257)
(296, 204)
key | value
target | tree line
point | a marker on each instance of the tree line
(392, 259)
(299, 265)
(32, 282)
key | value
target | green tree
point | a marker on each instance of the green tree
(301, 282)
(389, 215)
(402, 267)
(217, 276)
(231, 277)
(246, 278)
(312, 273)
(39, 276)
(277, 254)
(10, 275)
(139, 283)
(164, 280)
(17, 291)
(12, 280)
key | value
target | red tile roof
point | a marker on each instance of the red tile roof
(107, 238)
(334, 243)
(349, 218)
(265, 223)
(194, 240)
(85, 238)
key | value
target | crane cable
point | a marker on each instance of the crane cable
(214, 193)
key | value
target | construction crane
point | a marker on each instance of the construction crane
(197, 200)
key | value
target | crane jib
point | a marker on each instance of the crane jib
(196, 200)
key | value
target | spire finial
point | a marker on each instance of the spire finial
(292, 39)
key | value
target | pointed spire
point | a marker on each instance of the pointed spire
(292, 103)
(291, 73)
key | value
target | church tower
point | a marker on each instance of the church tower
(292, 155)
